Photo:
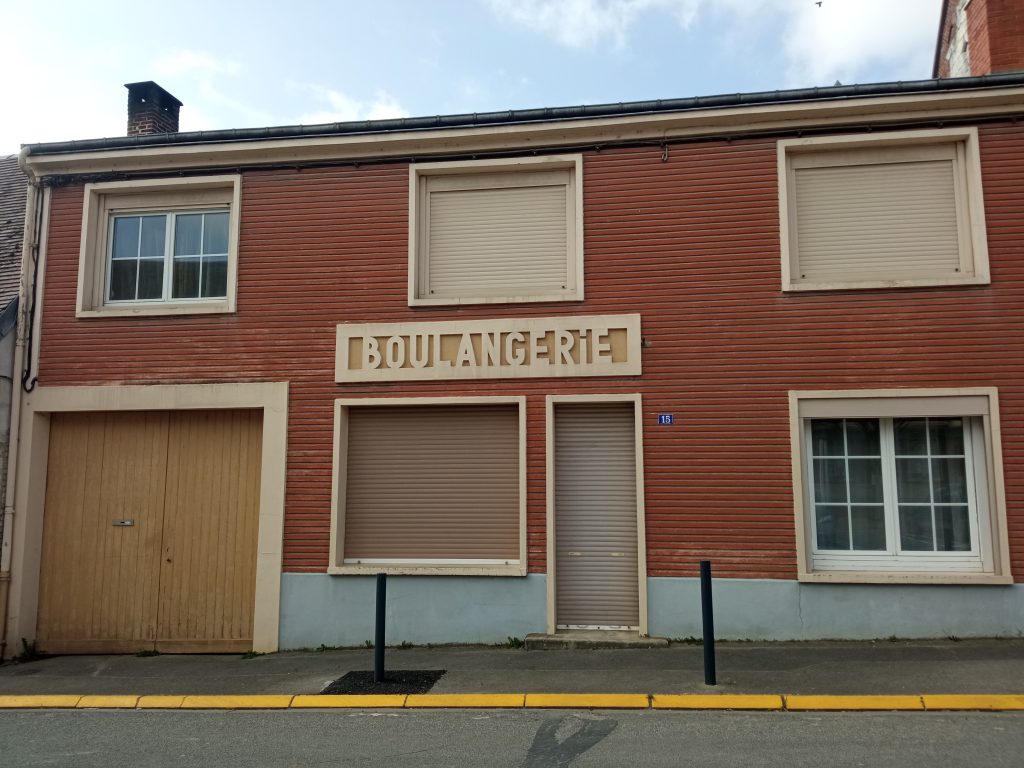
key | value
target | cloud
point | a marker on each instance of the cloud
(341, 108)
(836, 40)
(201, 63)
(588, 23)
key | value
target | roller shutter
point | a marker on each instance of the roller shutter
(596, 570)
(432, 484)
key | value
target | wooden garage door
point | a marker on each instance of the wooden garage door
(149, 532)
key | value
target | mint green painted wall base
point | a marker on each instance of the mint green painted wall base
(317, 609)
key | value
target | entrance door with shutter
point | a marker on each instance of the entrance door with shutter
(596, 550)
(149, 532)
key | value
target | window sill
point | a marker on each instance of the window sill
(458, 300)
(922, 282)
(878, 577)
(427, 570)
(163, 309)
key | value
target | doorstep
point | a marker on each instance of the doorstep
(581, 639)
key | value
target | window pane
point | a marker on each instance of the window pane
(911, 437)
(868, 527)
(912, 483)
(866, 481)
(126, 238)
(829, 480)
(862, 437)
(151, 278)
(188, 234)
(947, 437)
(827, 437)
(949, 481)
(952, 529)
(833, 527)
(916, 529)
(122, 279)
(186, 279)
(215, 233)
(154, 229)
(215, 276)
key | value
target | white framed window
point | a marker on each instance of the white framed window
(903, 486)
(159, 247)
(886, 210)
(429, 485)
(493, 231)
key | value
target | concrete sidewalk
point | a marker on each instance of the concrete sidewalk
(833, 668)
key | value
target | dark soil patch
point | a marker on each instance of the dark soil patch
(395, 681)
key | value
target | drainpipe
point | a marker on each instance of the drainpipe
(29, 256)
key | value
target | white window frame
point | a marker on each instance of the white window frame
(989, 560)
(406, 566)
(973, 238)
(104, 201)
(418, 172)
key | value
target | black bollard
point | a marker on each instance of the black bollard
(378, 638)
(707, 612)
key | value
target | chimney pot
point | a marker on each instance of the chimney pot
(151, 109)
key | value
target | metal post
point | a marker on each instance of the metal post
(378, 639)
(707, 612)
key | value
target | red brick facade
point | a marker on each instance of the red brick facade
(691, 242)
(995, 35)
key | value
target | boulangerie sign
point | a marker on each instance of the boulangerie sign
(503, 348)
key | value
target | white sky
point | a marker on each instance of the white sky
(259, 63)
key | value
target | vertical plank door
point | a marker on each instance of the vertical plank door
(101, 532)
(208, 559)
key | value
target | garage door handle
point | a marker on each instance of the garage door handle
(124, 523)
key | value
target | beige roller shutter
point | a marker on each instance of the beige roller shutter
(596, 569)
(432, 483)
(501, 234)
(894, 215)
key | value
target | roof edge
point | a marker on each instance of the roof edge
(541, 115)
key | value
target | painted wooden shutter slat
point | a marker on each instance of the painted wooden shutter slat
(879, 221)
(433, 483)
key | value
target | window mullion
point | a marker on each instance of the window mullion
(931, 483)
(138, 258)
(890, 497)
(202, 239)
(849, 496)
(169, 255)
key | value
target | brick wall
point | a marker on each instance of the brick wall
(692, 244)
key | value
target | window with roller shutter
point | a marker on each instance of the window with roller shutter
(890, 210)
(496, 231)
(430, 485)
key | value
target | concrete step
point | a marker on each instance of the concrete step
(590, 639)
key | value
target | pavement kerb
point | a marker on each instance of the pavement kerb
(659, 701)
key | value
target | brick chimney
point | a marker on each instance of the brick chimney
(980, 37)
(151, 109)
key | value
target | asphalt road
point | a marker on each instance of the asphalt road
(523, 739)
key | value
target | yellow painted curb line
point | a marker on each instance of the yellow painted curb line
(974, 701)
(467, 700)
(716, 701)
(588, 700)
(160, 702)
(852, 703)
(237, 702)
(36, 702)
(107, 702)
(363, 701)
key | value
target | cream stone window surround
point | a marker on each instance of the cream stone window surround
(959, 145)
(979, 404)
(336, 563)
(104, 200)
(522, 173)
